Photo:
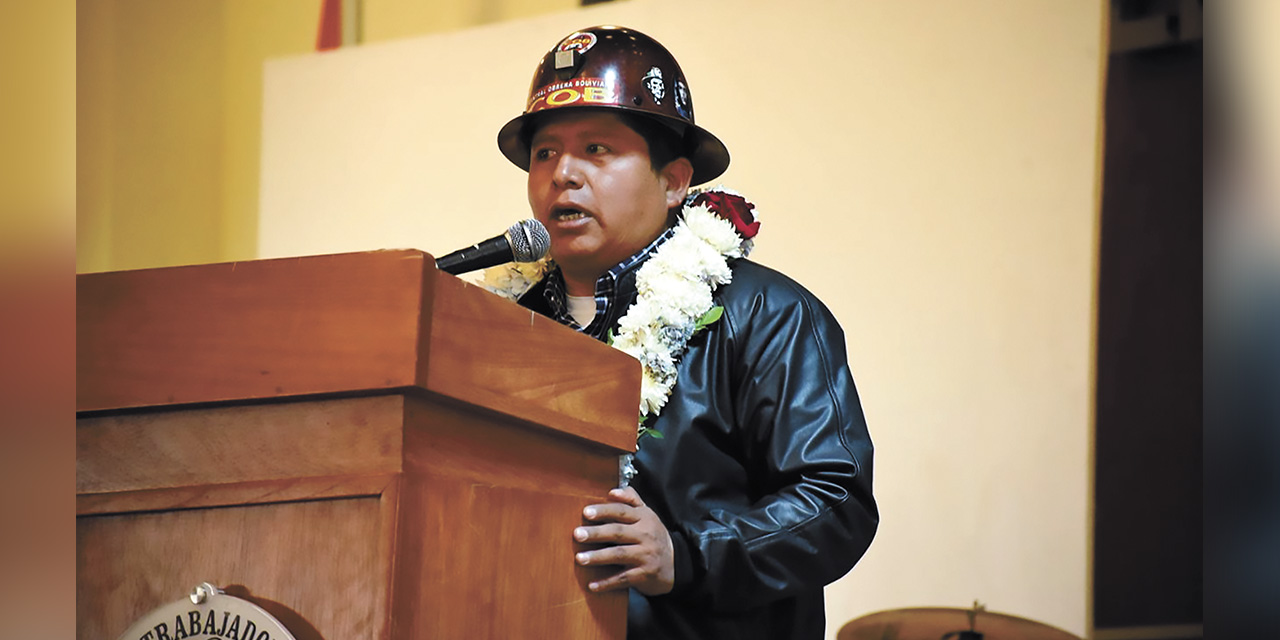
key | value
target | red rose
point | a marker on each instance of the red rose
(733, 208)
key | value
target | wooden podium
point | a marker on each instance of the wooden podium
(360, 444)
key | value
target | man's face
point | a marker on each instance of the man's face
(592, 184)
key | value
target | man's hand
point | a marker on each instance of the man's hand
(638, 541)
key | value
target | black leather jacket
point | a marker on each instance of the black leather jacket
(763, 473)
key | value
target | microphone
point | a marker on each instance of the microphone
(524, 241)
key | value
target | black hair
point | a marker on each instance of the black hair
(665, 144)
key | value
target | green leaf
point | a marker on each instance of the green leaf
(709, 318)
(646, 431)
(711, 315)
(608, 338)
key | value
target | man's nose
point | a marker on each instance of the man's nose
(568, 171)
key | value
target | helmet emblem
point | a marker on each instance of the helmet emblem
(653, 82)
(682, 100)
(580, 42)
(568, 54)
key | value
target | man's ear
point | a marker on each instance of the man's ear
(677, 174)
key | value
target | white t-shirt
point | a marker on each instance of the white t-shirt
(582, 308)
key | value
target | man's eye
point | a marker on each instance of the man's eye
(541, 154)
(594, 148)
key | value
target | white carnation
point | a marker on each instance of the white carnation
(712, 229)
(685, 301)
(653, 396)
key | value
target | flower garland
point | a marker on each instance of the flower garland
(674, 286)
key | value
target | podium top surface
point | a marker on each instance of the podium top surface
(379, 321)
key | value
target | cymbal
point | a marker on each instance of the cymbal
(932, 623)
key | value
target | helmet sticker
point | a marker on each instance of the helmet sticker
(653, 82)
(586, 91)
(580, 42)
(682, 100)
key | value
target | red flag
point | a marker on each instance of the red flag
(330, 34)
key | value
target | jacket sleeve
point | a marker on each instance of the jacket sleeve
(808, 454)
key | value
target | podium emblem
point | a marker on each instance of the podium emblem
(207, 613)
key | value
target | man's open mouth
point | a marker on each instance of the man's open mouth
(566, 214)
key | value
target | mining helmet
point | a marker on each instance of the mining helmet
(611, 67)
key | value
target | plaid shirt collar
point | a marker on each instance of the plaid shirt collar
(609, 293)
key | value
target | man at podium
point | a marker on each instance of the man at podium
(753, 475)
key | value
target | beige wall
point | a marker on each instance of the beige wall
(169, 112)
(150, 111)
(382, 20)
(927, 168)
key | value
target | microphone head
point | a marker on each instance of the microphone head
(529, 241)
